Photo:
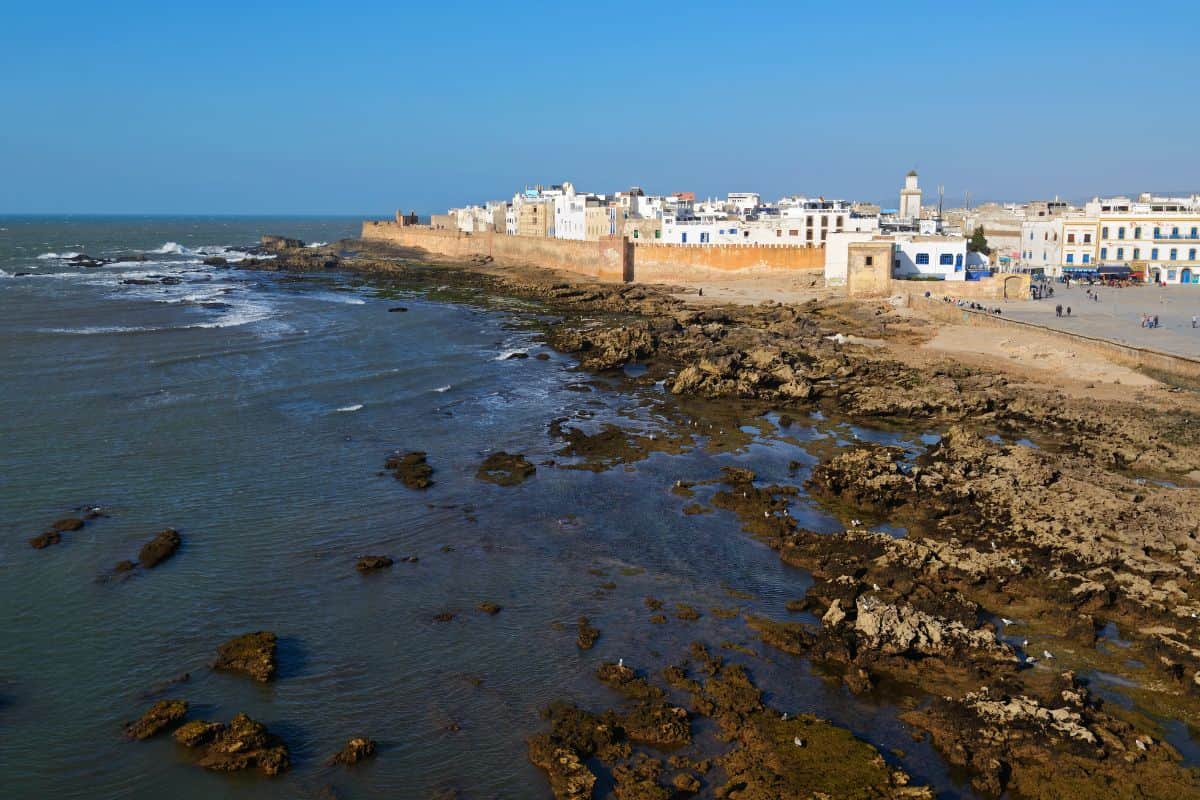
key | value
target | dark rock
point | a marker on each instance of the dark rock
(515, 356)
(242, 744)
(138, 282)
(542, 356)
(157, 718)
(67, 525)
(397, 309)
(272, 244)
(198, 732)
(357, 749)
(125, 566)
(489, 607)
(587, 634)
(410, 468)
(444, 616)
(160, 548)
(504, 469)
(44, 540)
(252, 654)
(372, 563)
(216, 261)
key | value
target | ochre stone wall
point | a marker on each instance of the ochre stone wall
(612, 258)
(1001, 286)
(869, 269)
(658, 262)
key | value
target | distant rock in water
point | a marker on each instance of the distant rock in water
(489, 607)
(587, 634)
(54, 534)
(372, 563)
(215, 261)
(251, 654)
(159, 549)
(397, 309)
(242, 744)
(157, 718)
(273, 244)
(410, 468)
(357, 749)
(504, 469)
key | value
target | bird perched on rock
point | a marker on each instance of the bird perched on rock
(798, 742)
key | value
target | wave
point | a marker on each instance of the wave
(507, 354)
(442, 389)
(355, 407)
(232, 319)
(58, 256)
(174, 248)
(316, 244)
(4, 274)
(337, 297)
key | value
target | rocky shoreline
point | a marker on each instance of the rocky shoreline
(1018, 559)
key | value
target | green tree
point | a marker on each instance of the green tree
(978, 242)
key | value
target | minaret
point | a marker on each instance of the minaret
(910, 198)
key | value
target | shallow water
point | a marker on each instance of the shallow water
(258, 429)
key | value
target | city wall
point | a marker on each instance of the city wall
(610, 259)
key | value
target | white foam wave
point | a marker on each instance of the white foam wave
(173, 248)
(4, 274)
(337, 297)
(316, 244)
(507, 354)
(58, 256)
(442, 389)
(355, 407)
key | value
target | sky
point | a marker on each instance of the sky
(363, 108)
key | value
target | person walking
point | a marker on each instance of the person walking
(1193, 320)
(1058, 310)
(1068, 311)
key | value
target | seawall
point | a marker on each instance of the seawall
(611, 258)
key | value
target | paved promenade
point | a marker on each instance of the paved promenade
(1117, 316)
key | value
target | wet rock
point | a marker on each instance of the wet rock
(273, 244)
(252, 654)
(505, 469)
(444, 616)
(569, 777)
(157, 718)
(517, 356)
(125, 566)
(357, 749)
(159, 549)
(67, 525)
(587, 635)
(372, 563)
(45, 539)
(411, 469)
(197, 732)
(242, 744)
(542, 356)
(685, 612)
(686, 782)
(397, 310)
(215, 261)
(489, 608)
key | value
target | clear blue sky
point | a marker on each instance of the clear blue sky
(362, 107)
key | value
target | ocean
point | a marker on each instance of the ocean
(253, 411)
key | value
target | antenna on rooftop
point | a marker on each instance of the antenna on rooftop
(941, 197)
(968, 201)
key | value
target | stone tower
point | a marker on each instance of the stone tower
(910, 198)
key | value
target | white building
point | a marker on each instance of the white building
(913, 256)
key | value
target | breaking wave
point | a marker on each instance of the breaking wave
(54, 256)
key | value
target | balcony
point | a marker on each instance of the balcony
(1182, 236)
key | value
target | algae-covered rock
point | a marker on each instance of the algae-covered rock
(252, 654)
(411, 469)
(160, 548)
(505, 469)
(357, 749)
(157, 718)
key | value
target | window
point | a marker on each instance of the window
(1120, 253)
(897, 263)
(733, 231)
(1137, 232)
(1103, 253)
(1070, 238)
(1157, 232)
(1174, 254)
(1137, 253)
(703, 237)
(1174, 233)
(778, 232)
(658, 234)
(1086, 258)
(1104, 232)
(1170, 274)
(1070, 258)
(1087, 238)
(1031, 236)
(870, 261)
(922, 258)
(946, 259)
(1192, 254)
(794, 232)
(1153, 253)
(1120, 233)
(683, 238)
(635, 234)
(1193, 236)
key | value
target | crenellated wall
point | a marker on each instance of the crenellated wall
(611, 259)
